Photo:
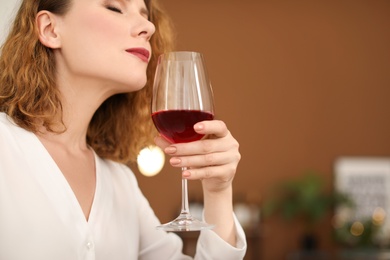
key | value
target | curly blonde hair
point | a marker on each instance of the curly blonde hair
(120, 127)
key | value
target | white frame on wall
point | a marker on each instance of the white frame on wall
(366, 181)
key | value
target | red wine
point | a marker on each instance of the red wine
(178, 125)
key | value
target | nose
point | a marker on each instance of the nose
(145, 29)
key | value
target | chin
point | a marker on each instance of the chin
(133, 86)
(140, 84)
(124, 82)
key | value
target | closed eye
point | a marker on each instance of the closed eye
(145, 13)
(114, 9)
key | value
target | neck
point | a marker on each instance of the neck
(79, 103)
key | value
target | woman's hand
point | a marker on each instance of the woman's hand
(213, 160)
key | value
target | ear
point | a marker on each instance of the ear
(47, 30)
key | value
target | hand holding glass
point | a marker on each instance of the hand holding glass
(182, 97)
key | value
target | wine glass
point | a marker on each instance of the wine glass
(182, 96)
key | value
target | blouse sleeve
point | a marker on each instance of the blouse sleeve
(158, 244)
(211, 246)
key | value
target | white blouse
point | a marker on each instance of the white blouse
(41, 219)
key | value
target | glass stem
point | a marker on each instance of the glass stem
(184, 196)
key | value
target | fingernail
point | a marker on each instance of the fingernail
(186, 174)
(199, 126)
(170, 149)
(175, 161)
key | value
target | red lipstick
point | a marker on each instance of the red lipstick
(142, 53)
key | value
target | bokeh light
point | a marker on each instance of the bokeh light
(150, 160)
(357, 228)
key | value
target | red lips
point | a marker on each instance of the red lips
(141, 53)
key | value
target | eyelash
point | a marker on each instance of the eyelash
(114, 9)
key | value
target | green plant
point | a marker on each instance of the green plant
(303, 197)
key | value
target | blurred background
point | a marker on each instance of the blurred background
(300, 85)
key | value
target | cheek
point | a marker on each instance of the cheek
(100, 27)
(88, 40)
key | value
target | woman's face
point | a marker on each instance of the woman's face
(106, 41)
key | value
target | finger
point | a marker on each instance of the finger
(203, 160)
(161, 142)
(205, 146)
(213, 127)
(223, 173)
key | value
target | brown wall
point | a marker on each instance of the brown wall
(299, 83)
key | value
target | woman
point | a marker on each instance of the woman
(73, 111)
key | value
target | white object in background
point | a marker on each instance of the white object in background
(366, 180)
(8, 10)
